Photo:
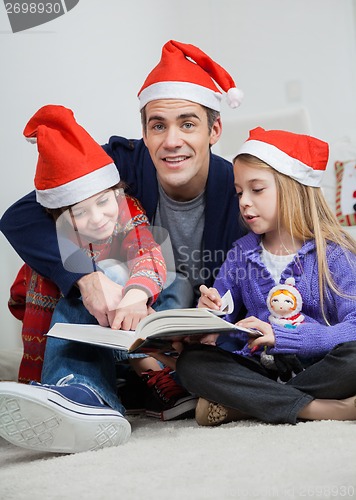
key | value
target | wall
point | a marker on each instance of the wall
(95, 58)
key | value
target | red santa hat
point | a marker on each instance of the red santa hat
(302, 157)
(186, 72)
(71, 165)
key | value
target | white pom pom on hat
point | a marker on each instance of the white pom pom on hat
(234, 97)
(186, 72)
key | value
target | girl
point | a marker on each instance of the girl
(293, 236)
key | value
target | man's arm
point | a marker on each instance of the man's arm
(32, 233)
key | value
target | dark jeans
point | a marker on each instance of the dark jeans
(242, 383)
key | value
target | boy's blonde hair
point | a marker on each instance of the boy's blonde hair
(305, 214)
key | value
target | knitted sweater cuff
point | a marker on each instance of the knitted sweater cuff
(149, 286)
(288, 340)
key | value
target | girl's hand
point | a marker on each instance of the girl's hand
(132, 308)
(268, 338)
(209, 298)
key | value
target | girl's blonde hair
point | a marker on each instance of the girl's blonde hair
(305, 214)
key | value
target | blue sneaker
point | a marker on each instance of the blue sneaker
(59, 418)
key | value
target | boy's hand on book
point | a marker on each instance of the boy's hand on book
(209, 298)
(100, 295)
(132, 308)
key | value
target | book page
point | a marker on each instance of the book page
(93, 334)
(227, 305)
(181, 322)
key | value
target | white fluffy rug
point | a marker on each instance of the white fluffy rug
(182, 461)
(179, 460)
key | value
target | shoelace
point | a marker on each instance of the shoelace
(164, 384)
(63, 382)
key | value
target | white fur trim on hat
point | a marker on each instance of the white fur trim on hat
(79, 189)
(181, 90)
(282, 162)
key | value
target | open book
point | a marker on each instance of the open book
(155, 332)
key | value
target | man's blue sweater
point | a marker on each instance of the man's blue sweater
(31, 231)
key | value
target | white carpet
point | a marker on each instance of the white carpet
(182, 461)
(179, 460)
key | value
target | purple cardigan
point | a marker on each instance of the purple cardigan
(249, 281)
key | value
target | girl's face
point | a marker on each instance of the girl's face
(257, 193)
(95, 217)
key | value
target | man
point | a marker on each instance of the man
(184, 188)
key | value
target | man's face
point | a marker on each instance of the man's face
(178, 139)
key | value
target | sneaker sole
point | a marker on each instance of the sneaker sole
(38, 418)
(184, 408)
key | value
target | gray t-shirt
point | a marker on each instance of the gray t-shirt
(184, 221)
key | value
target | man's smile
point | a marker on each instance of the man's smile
(175, 161)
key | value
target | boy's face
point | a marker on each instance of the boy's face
(95, 217)
(178, 139)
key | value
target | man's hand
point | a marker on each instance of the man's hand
(100, 295)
